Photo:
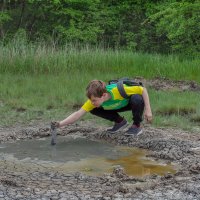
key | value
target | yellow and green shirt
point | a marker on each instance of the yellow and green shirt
(116, 101)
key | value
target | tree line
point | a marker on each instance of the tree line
(162, 26)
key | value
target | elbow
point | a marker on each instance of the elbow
(79, 113)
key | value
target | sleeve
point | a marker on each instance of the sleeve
(130, 90)
(88, 106)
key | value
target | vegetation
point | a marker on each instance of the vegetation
(40, 82)
(50, 50)
(23, 58)
(136, 25)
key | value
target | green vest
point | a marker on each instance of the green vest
(113, 103)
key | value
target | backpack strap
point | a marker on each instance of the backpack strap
(121, 89)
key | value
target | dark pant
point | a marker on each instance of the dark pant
(136, 105)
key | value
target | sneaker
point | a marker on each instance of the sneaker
(118, 126)
(134, 131)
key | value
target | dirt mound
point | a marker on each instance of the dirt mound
(167, 84)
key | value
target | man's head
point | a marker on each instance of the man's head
(96, 92)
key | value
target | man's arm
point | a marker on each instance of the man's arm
(147, 112)
(72, 118)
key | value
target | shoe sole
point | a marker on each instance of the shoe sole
(132, 134)
(123, 127)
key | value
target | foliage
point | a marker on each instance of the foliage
(4, 17)
(180, 22)
(136, 25)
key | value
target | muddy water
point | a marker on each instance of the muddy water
(137, 164)
(73, 154)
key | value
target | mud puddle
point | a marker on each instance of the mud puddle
(32, 176)
(78, 154)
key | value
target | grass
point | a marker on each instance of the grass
(47, 97)
(41, 59)
(175, 109)
(47, 83)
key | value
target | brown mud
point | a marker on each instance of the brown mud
(168, 84)
(32, 181)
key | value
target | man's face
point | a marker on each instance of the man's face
(97, 101)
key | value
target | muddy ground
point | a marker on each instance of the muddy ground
(20, 181)
(32, 181)
(159, 83)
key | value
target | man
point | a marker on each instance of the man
(106, 101)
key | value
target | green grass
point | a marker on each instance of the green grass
(22, 58)
(175, 109)
(48, 83)
(47, 97)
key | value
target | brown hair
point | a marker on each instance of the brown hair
(95, 88)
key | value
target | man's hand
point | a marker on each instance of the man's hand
(55, 125)
(148, 116)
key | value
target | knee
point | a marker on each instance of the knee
(136, 99)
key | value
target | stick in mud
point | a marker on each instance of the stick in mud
(53, 134)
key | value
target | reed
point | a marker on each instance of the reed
(72, 59)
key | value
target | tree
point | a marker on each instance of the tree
(180, 23)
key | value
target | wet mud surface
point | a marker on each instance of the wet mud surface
(32, 181)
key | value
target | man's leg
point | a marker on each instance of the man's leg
(137, 107)
(110, 115)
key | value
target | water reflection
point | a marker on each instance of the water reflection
(137, 164)
(87, 156)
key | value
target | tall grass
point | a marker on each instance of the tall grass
(23, 58)
(44, 81)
